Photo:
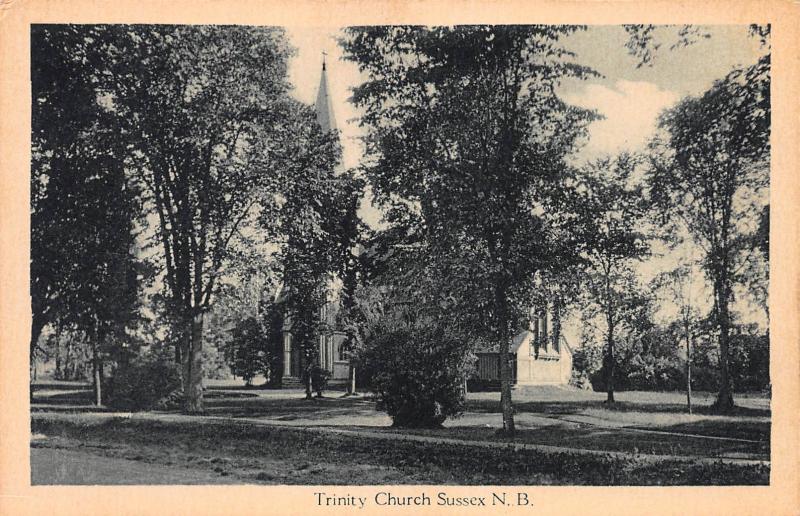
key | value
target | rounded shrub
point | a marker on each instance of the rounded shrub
(417, 374)
(142, 384)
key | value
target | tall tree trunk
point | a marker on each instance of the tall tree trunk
(505, 367)
(722, 295)
(193, 366)
(505, 389)
(96, 376)
(58, 374)
(32, 377)
(610, 360)
(68, 360)
(724, 401)
(501, 323)
(309, 371)
(688, 369)
(36, 331)
(351, 382)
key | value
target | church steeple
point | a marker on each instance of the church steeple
(325, 116)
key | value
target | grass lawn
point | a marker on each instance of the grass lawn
(287, 455)
(644, 426)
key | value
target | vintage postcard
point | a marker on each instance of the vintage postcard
(424, 258)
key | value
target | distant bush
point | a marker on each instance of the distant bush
(250, 350)
(580, 380)
(408, 352)
(648, 372)
(142, 384)
(319, 378)
(750, 362)
(215, 365)
(475, 384)
(664, 369)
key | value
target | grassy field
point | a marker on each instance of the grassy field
(585, 441)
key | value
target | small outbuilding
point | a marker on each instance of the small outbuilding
(536, 359)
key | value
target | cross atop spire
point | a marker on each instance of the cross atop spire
(324, 108)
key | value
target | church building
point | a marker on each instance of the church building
(538, 358)
(330, 352)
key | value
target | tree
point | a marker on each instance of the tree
(204, 110)
(318, 227)
(245, 294)
(464, 132)
(84, 270)
(643, 44)
(644, 41)
(409, 349)
(678, 284)
(613, 210)
(250, 350)
(711, 173)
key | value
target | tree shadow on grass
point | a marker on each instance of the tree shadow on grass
(750, 430)
(69, 409)
(580, 437)
(60, 385)
(257, 388)
(625, 440)
(73, 397)
(541, 407)
(289, 408)
(576, 407)
(214, 394)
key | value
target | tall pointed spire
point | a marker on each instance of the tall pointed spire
(325, 116)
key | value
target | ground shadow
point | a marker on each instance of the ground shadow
(749, 430)
(68, 409)
(260, 387)
(575, 407)
(60, 385)
(288, 409)
(73, 397)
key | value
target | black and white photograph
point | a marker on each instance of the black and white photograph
(391, 255)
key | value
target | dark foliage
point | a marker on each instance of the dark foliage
(319, 378)
(661, 367)
(417, 374)
(142, 384)
(250, 350)
(465, 138)
(272, 322)
(86, 276)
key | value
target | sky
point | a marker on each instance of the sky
(629, 98)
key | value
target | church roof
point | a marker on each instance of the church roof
(324, 107)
